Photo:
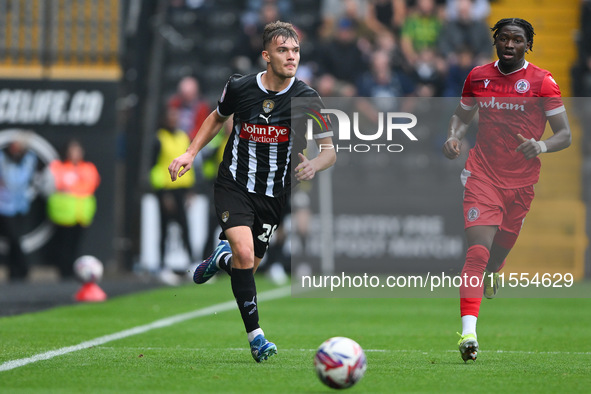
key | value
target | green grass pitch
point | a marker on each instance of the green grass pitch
(527, 345)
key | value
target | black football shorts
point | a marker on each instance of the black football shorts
(235, 206)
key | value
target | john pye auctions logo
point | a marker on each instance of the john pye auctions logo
(264, 133)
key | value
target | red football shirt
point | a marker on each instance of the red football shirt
(508, 104)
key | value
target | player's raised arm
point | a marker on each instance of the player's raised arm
(458, 126)
(307, 169)
(209, 129)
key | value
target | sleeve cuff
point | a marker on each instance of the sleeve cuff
(555, 111)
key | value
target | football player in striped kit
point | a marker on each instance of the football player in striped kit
(254, 179)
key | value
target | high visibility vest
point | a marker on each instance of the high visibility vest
(210, 166)
(73, 201)
(172, 145)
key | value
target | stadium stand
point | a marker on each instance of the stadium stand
(65, 39)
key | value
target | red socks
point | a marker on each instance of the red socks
(471, 289)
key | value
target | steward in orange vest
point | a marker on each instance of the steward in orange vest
(73, 205)
(73, 201)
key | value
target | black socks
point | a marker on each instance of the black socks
(245, 292)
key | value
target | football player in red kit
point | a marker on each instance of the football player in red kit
(514, 99)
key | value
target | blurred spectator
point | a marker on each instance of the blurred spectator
(379, 89)
(172, 196)
(332, 11)
(251, 15)
(328, 86)
(72, 206)
(380, 81)
(457, 73)
(385, 15)
(387, 43)
(341, 56)
(309, 66)
(424, 89)
(429, 73)
(17, 167)
(465, 32)
(192, 109)
(412, 6)
(420, 30)
(479, 11)
(249, 51)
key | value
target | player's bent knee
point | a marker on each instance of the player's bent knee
(242, 257)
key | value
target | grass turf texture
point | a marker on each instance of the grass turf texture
(527, 345)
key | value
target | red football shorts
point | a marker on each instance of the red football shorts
(488, 205)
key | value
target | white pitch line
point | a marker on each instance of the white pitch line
(169, 321)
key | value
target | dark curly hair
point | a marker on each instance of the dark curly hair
(525, 25)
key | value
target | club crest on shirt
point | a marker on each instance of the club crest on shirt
(473, 214)
(522, 86)
(268, 106)
(225, 216)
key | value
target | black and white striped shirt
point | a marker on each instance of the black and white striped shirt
(265, 133)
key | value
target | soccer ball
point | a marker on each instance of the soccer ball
(88, 269)
(340, 362)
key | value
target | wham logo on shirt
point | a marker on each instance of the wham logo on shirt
(267, 134)
(493, 103)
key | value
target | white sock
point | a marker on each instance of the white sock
(254, 333)
(469, 324)
(226, 257)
